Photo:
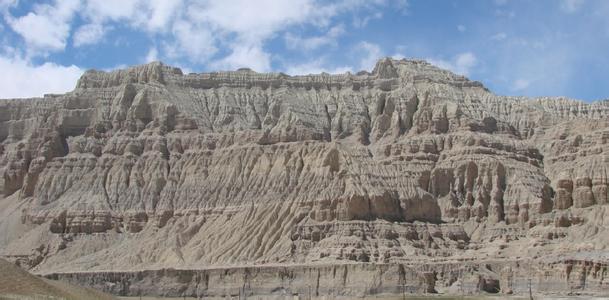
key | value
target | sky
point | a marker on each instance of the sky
(514, 47)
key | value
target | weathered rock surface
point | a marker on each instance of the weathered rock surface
(149, 171)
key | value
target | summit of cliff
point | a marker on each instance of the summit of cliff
(158, 72)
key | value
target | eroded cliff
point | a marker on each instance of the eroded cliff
(409, 165)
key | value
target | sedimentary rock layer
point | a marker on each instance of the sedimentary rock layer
(148, 169)
(353, 280)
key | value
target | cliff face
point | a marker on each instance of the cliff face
(147, 168)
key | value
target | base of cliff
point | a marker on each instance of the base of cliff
(488, 278)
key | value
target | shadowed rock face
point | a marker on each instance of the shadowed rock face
(148, 168)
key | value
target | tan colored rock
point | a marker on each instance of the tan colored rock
(600, 190)
(582, 194)
(564, 193)
(409, 166)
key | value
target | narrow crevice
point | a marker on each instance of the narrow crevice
(107, 197)
(328, 129)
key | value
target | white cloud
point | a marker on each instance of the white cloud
(366, 55)
(360, 22)
(195, 42)
(252, 20)
(208, 25)
(153, 55)
(251, 23)
(89, 34)
(462, 63)
(520, 84)
(461, 28)
(315, 67)
(465, 61)
(571, 6)
(196, 31)
(371, 53)
(18, 75)
(312, 43)
(244, 56)
(47, 27)
(161, 13)
(154, 16)
(4, 4)
(104, 10)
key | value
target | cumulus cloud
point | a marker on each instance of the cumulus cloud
(89, 34)
(245, 56)
(4, 4)
(218, 34)
(160, 13)
(18, 75)
(465, 61)
(307, 44)
(243, 26)
(153, 55)
(194, 31)
(194, 41)
(114, 10)
(251, 20)
(47, 27)
(370, 54)
(153, 16)
(249, 24)
(461, 64)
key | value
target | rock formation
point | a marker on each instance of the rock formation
(406, 179)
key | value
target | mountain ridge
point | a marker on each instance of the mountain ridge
(148, 169)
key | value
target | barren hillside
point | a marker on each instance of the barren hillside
(406, 178)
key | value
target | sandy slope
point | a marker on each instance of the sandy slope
(14, 281)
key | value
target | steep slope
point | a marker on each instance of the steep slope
(16, 283)
(147, 168)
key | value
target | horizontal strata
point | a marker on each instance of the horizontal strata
(355, 280)
(246, 78)
(148, 168)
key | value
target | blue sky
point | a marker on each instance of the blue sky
(514, 47)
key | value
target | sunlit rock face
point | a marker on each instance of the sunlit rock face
(147, 168)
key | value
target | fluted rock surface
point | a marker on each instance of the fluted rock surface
(147, 168)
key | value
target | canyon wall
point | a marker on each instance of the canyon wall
(148, 171)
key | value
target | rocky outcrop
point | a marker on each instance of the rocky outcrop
(150, 169)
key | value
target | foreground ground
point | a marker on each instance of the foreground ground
(438, 297)
(16, 283)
